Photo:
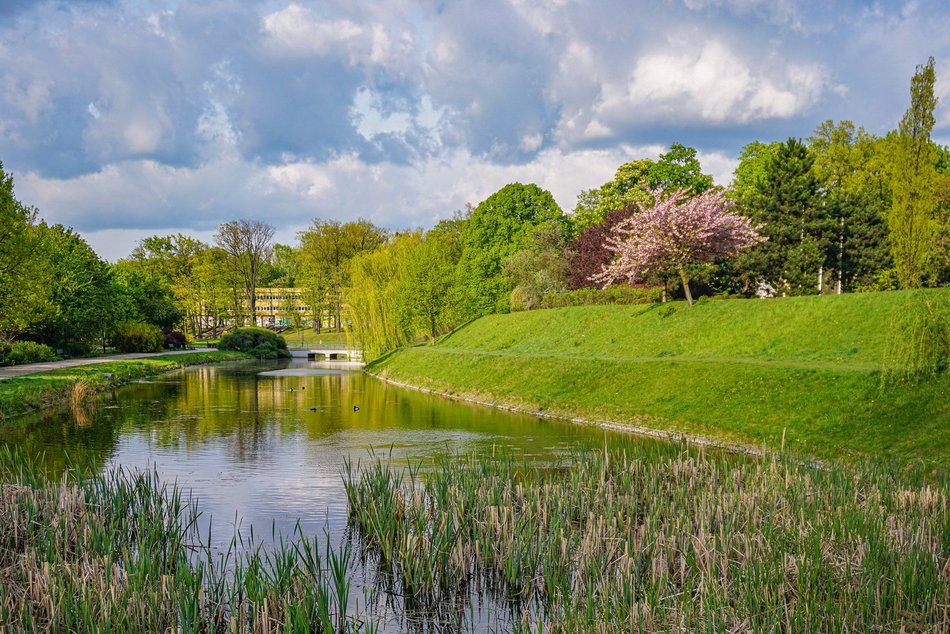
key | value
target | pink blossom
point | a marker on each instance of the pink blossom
(675, 232)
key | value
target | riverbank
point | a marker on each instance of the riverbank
(825, 377)
(35, 391)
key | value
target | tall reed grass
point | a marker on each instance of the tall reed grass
(121, 552)
(658, 542)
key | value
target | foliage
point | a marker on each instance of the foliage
(81, 298)
(539, 268)
(174, 339)
(496, 229)
(676, 169)
(143, 295)
(588, 253)
(919, 340)
(381, 316)
(676, 232)
(616, 294)
(247, 244)
(849, 167)
(427, 284)
(786, 204)
(131, 336)
(20, 261)
(326, 249)
(912, 166)
(20, 352)
(258, 342)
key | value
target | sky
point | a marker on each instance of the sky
(130, 118)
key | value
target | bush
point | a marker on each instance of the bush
(25, 352)
(260, 342)
(77, 348)
(609, 295)
(133, 336)
(174, 339)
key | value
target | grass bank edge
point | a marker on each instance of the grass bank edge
(32, 392)
(729, 373)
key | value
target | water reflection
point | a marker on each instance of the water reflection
(264, 444)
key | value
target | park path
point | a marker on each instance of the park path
(34, 368)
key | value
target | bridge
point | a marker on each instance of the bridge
(329, 354)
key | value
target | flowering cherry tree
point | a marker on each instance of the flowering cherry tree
(677, 231)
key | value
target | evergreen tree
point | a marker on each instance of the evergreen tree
(854, 199)
(794, 260)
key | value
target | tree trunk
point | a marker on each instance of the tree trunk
(685, 280)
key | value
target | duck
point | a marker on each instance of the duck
(356, 408)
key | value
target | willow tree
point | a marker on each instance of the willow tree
(910, 222)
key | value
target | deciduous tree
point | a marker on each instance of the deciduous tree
(673, 234)
(248, 245)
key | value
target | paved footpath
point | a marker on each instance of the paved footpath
(33, 368)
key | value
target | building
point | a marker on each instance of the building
(279, 306)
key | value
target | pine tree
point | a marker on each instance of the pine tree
(794, 261)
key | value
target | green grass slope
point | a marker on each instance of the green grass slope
(742, 371)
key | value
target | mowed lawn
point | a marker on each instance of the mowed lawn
(809, 369)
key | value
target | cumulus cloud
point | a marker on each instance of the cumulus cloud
(116, 116)
(711, 83)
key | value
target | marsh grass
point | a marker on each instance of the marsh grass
(663, 541)
(121, 552)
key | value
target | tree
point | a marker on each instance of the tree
(588, 254)
(787, 205)
(910, 220)
(495, 230)
(247, 244)
(326, 249)
(854, 196)
(427, 287)
(677, 232)
(80, 292)
(21, 270)
(539, 268)
(676, 169)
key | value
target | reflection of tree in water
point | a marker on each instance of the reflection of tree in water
(55, 435)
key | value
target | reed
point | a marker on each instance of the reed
(121, 552)
(661, 540)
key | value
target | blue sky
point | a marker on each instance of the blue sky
(128, 118)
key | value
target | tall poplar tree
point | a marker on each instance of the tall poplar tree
(910, 220)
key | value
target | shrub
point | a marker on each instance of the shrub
(77, 348)
(133, 336)
(26, 352)
(609, 295)
(174, 339)
(260, 342)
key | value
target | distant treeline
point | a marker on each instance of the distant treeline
(842, 210)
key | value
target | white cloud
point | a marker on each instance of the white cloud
(296, 30)
(713, 84)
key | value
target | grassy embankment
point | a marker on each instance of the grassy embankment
(22, 394)
(827, 374)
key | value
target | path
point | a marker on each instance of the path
(34, 368)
